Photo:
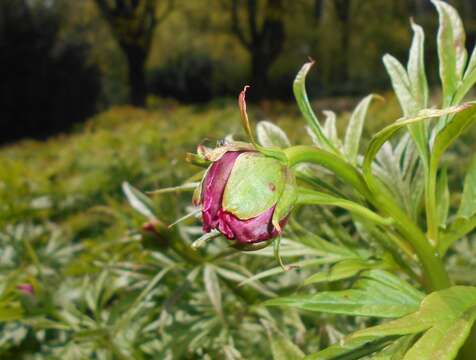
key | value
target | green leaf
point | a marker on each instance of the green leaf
(452, 130)
(343, 270)
(376, 293)
(312, 197)
(139, 201)
(416, 68)
(296, 265)
(419, 89)
(269, 134)
(386, 133)
(458, 228)
(330, 128)
(10, 311)
(445, 317)
(396, 350)
(469, 79)
(299, 89)
(467, 206)
(354, 129)
(351, 349)
(212, 286)
(401, 84)
(451, 48)
(282, 347)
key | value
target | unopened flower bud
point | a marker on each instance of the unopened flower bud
(246, 195)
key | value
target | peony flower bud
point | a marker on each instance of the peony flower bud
(246, 195)
(26, 289)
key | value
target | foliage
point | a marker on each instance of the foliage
(364, 265)
(390, 260)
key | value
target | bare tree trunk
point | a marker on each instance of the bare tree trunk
(318, 9)
(343, 8)
(136, 58)
(264, 44)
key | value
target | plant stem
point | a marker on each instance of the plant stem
(345, 171)
(430, 203)
(435, 274)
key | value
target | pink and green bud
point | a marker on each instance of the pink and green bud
(26, 289)
(246, 195)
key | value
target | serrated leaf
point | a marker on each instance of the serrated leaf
(376, 293)
(354, 129)
(139, 201)
(269, 134)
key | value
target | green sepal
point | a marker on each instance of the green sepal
(286, 200)
(254, 185)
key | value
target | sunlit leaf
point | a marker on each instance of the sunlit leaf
(355, 127)
(270, 134)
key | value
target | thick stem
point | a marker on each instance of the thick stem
(136, 57)
(343, 170)
(432, 265)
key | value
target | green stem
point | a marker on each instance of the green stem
(432, 265)
(343, 170)
(430, 203)
(436, 275)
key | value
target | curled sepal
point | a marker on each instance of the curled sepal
(244, 115)
(251, 246)
(279, 259)
(274, 152)
(205, 238)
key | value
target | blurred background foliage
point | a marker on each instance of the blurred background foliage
(103, 286)
(62, 61)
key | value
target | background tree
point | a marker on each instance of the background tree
(264, 42)
(47, 83)
(133, 23)
(343, 12)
